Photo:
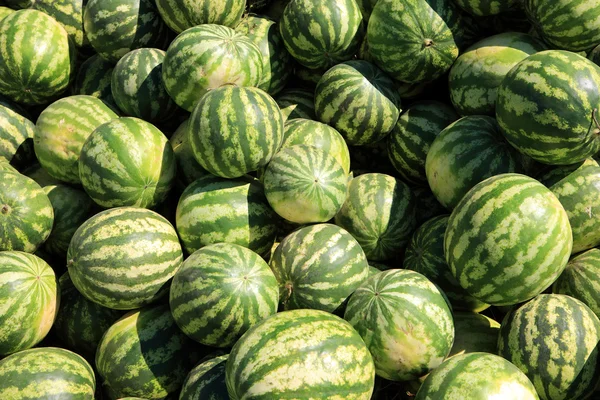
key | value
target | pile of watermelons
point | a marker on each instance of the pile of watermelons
(299, 199)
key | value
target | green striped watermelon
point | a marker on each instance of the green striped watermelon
(318, 267)
(180, 15)
(317, 134)
(26, 214)
(508, 239)
(297, 103)
(380, 213)
(477, 376)
(411, 138)
(5, 11)
(115, 27)
(123, 258)
(80, 323)
(465, 153)
(580, 279)
(37, 63)
(46, 373)
(62, 129)
(482, 8)
(321, 34)
(277, 62)
(554, 174)
(359, 100)
(474, 333)
(29, 299)
(206, 57)
(69, 13)
(235, 130)
(569, 24)
(554, 340)
(137, 86)
(94, 79)
(206, 381)
(425, 255)
(305, 184)
(216, 210)
(144, 354)
(5, 166)
(554, 118)
(16, 137)
(299, 354)
(477, 73)
(127, 162)
(579, 194)
(220, 292)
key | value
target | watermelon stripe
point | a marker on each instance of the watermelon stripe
(206, 381)
(297, 103)
(69, 13)
(580, 279)
(94, 79)
(16, 137)
(180, 15)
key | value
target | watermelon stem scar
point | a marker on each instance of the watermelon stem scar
(427, 43)
(5, 209)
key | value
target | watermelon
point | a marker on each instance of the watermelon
(305, 184)
(359, 100)
(465, 153)
(216, 210)
(5, 11)
(477, 73)
(144, 354)
(122, 258)
(235, 130)
(206, 381)
(474, 333)
(318, 267)
(180, 15)
(115, 27)
(411, 138)
(508, 239)
(5, 166)
(69, 13)
(277, 62)
(80, 323)
(477, 376)
(94, 79)
(62, 129)
(321, 34)
(127, 162)
(29, 300)
(206, 57)
(137, 86)
(282, 356)
(554, 340)
(16, 137)
(308, 77)
(46, 373)
(425, 255)
(555, 174)
(569, 24)
(317, 134)
(26, 214)
(297, 103)
(552, 129)
(405, 322)
(220, 292)
(580, 279)
(40, 176)
(482, 8)
(37, 63)
(380, 213)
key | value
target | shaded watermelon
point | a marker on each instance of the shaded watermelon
(180, 15)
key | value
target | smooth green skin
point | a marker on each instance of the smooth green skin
(26, 214)
(46, 372)
(16, 136)
(69, 13)
(206, 381)
(94, 79)
(29, 299)
(474, 333)
(483, 8)
(37, 63)
(180, 15)
(296, 103)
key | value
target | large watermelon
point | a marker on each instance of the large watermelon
(123, 258)
(405, 322)
(127, 162)
(206, 381)
(318, 267)
(380, 213)
(321, 34)
(554, 340)
(235, 130)
(508, 239)
(220, 292)
(62, 129)
(69, 13)
(26, 214)
(29, 299)
(299, 354)
(554, 117)
(37, 64)
(206, 57)
(94, 78)
(297, 103)
(16, 137)
(359, 100)
(46, 373)
(216, 210)
(180, 15)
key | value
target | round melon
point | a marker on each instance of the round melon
(69, 13)
(180, 15)
(16, 136)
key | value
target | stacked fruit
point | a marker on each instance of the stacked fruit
(307, 199)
